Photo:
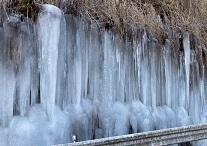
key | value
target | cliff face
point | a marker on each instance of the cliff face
(62, 75)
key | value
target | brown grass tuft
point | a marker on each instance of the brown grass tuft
(175, 15)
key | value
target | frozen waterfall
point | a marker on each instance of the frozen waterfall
(63, 75)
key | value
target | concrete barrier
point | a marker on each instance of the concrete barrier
(158, 137)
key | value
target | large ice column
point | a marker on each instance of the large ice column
(75, 60)
(61, 69)
(145, 72)
(107, 78)
(18, 59)
(168, 75)
(34, 75)
(49, 33)
(71, 29)
(94, 66)
(182, 87)
(26, 44)
(154, 70)
(203, 85)
(24, 88)
(186, 45)
(15, 67)
(78, 67)
(121, 67)
(195, 102)
(7, 86)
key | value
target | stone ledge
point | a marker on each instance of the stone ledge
(158, 137)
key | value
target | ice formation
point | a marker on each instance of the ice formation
(63, 76)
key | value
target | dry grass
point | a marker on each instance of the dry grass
(177, 15)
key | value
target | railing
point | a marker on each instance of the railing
(158, 137)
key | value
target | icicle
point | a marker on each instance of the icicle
(49, 35)
(61, 68)
(168, 74)
(154, 66)
(8, 88)
(186, 45)
(78, 67)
